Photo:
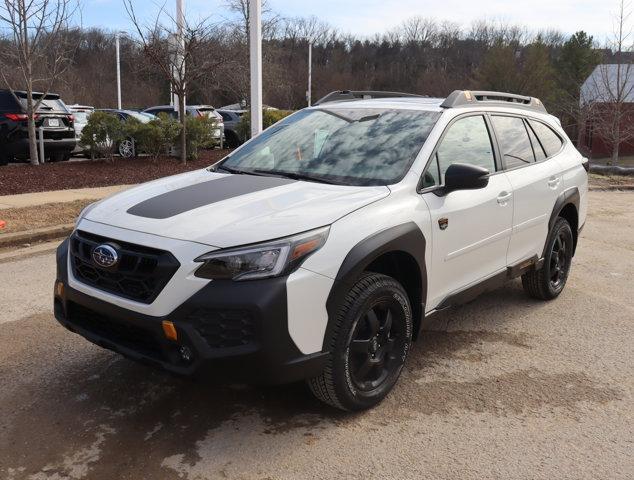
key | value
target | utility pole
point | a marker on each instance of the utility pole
(255, 45)
(116, 43)
(309, 93)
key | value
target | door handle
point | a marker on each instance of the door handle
(504, 197)
(553, 182)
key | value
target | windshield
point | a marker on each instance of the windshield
(338, 145)
(141, 116)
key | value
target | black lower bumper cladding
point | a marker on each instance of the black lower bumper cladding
(232, 331)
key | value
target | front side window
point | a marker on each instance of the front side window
(513, 139)
(549, 139)
(338, 145)
(466, 141)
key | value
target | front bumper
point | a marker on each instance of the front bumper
(235, 331)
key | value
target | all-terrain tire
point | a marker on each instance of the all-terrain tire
(336, 386)
(540, 283)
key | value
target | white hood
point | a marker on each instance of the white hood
(237, 210)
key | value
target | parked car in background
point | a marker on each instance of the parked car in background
(81, 114)
(52, 115)
(231, 119)
(218, 133)
(126, 148)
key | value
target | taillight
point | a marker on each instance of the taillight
(16, 117)
(71, 118)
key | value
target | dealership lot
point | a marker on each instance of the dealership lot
(504, 387)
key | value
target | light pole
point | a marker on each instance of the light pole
(309, 93)
(255, 44)
(178, 67)
(116, 43)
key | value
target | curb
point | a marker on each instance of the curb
(36, 235)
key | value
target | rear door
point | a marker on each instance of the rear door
(536, 181)
(470, 228)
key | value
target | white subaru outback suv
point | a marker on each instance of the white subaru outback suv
(316, 250)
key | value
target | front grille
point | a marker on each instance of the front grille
(224, 328)
(140, 274)
(118, 332)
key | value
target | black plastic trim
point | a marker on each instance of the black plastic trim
(569, 196)
(406, 238)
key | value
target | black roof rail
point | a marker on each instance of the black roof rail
(469, 98)
(348, 95)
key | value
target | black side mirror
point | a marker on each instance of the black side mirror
(462, 176)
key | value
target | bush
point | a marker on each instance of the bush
(269, 117)
(102, 134)
(155, 137)
(200, 134)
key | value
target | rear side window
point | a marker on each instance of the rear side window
(550, 140)
(7, 102)
(225, 116)
(514, 142)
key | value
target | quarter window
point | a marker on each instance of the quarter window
(466, 141)
(550, 140)
(537, 147)
(514, 142)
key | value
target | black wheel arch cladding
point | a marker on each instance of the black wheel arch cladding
(566, 200)
(394, 243)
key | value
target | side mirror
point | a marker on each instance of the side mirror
(462, 176)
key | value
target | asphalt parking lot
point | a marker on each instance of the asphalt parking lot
(504, 387)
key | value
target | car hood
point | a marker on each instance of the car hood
(227, 210)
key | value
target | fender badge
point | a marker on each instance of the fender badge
(443, 223)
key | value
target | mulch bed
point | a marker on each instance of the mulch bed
(16, 179)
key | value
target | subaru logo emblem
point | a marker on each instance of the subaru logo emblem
(105, 256)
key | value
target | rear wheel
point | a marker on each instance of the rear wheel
(548, 282)
(368, 346)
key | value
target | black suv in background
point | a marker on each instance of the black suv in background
(52, 115)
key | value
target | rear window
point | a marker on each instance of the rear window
(550, 140)
(50, 103)
(514, 142)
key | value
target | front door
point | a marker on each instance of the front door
(470, 228)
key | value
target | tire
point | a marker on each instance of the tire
(367, 351)
(549, 281)
(126, 148)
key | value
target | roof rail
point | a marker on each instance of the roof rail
(464, 98)
(348, 95)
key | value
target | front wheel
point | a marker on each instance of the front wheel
(126, 148)
(368, 345)
(548, 282)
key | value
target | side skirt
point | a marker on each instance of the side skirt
(491, 283)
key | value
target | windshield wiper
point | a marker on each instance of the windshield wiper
(236, 171)
(296, 176)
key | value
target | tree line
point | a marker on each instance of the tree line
(421, 55)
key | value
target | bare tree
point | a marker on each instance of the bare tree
(38, 50)
(183, 55)
(611, 88)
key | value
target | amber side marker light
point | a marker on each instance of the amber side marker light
(59, 289)
(170, 330)
(304, 248)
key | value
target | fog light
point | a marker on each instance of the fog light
(170, 330)
(59, 289)
(186, 354)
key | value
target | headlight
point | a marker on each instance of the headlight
(264, 260)
(85, 211)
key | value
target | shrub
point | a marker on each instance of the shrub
(200, 134)
(269, 117)
(155, 137)
(102, 134)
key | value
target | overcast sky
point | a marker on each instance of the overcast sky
(366, 17)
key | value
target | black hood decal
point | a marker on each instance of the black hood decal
(205, 193)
